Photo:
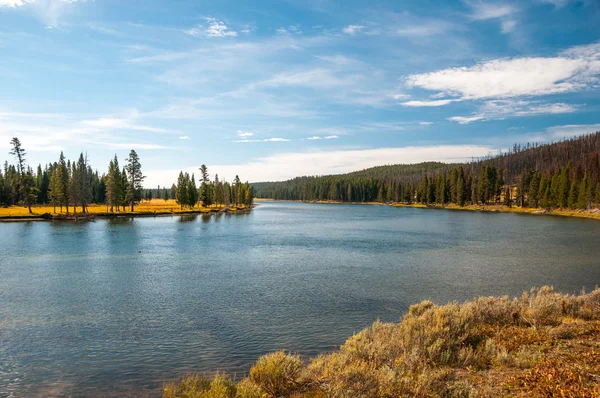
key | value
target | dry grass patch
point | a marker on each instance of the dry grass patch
(543, 344)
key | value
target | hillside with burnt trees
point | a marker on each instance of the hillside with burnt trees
(563, 174)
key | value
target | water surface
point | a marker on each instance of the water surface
(116, 307)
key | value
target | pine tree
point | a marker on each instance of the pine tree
(584, 197)
(19, 153)
(181, 193)
(461, 188)
(573, 195)
(136, 178)
(534, 191)
(205, 189)
(65, 180)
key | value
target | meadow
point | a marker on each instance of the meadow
(154, 206)
(543, 344)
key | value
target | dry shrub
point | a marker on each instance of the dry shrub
(418, 356)
(338, 376)
(542, 307)
(590, 308)
(435, 336)
(195, 386)
(495, 310)
(277, 374)
(378, 345)
(187, 387)
(247, 389)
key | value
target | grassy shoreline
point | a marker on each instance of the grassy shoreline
(593, 214)
(154, 208)
(543, 344)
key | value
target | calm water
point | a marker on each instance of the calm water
(112, 308)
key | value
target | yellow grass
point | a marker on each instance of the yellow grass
(158, 206)
(594, 214)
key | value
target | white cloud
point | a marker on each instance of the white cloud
(290, 30)
(428, 103)
(184, 137)
(215, 28)
(49, 11)
(289, 165)
(501, 109)
(508, 25)
(572, 130)
(555, 3)
(353, 29)
(482, 10)
(241, 133)
(316, 78)
(14, 3)
(55, 132)
(327, 137)
(573, 70)
(423, 29)
(274, 139)
(425, 123)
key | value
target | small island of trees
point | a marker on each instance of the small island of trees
(73, 187)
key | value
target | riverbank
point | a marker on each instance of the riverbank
(154, 208)
(544, 344)
(593, 214)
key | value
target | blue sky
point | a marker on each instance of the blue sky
(275, 89)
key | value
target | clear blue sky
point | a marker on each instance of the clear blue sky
(275, 89)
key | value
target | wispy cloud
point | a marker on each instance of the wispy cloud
(289, 165)
(572, 130)
(290, 30)
(241, 133)
(482, 10)
(53, 132)
(573, 70)
(49, 11)
(555, 3)
(214, 28)
(14, 3)
(501, 109)
(327, 137)
(353, 29)
(185, 137)
(274, 139)
(428, 103)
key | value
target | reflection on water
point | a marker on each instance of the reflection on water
(115, 307)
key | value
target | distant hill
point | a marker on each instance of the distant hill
(567, 162)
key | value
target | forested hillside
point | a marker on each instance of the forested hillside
(564, 174)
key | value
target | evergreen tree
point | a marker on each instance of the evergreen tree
(136, 178)
(205, 189)
(461, 188)
(19, 153)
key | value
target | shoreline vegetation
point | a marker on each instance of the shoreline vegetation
(560, 178)
(543, 344)
(151, 208)
(73, 185)
(593, 214)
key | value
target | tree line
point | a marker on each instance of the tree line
(70, 185)
(565, 174)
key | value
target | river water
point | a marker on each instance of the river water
(117, 307)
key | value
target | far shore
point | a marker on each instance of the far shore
(591, 214)
(46, 213)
